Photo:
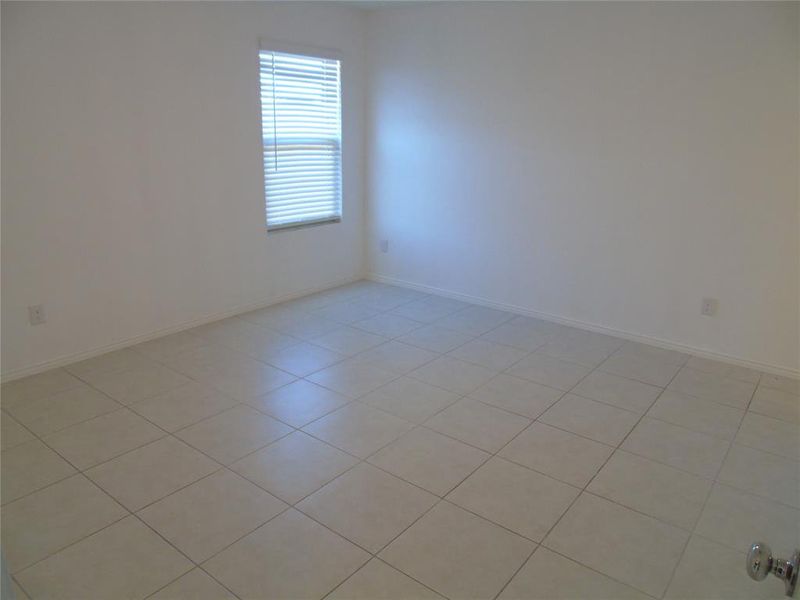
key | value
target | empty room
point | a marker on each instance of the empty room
(394, 300)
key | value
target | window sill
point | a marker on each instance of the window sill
(305, 225)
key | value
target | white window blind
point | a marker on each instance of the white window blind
(301, 131)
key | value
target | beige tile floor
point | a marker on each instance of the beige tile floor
(375, 442)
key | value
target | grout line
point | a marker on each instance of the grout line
(755, 495)
(708, 494)
(597, 472)
(579, 495)
(349, 299)
(491, 455)
(589, 482)
(171, 434)
(627, 585)
(198, 567)
(689, 537)
(178, 490)
(103, 490)
(24, 591)
(192, 562)
(61, 362)
(114, 500)
(131, 513)
(38, 561)
(525, 562)
(378, 559)
(585, 326)
(288, 507)
(439, 499)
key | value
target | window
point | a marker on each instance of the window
(302, 138)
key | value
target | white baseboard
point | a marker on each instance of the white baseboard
(635, 337)
(146, 337)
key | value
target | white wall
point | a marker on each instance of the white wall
(607, 163)
(132, 194)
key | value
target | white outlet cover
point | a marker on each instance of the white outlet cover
(709, 307)
(36, 314)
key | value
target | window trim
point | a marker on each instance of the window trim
(276, 45)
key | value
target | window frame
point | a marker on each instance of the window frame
(273, 45)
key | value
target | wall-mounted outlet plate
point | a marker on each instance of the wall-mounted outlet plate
(709, 307)
(36, 314)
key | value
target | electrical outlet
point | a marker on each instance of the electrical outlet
(384, 245)
(709, 307)
(36, 314)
